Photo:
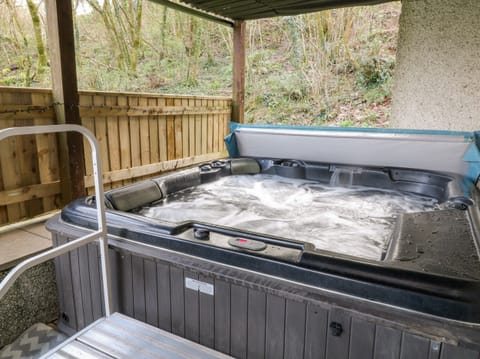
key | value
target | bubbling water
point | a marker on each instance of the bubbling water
(351, 220)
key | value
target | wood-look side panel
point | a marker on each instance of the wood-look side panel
(66, 290)
(85, 285)
(387, 343)
(275, 327)
(126, 284)
(207, 315)
(192, 316)
(164, 296)
(362, 339)
(238, 321)
(338, 340)
(295, 317)
(256, 324)
(453, 352)
(77, 289)
(222, 302)
(151, 292)
(316, 332)
(414, 346)
(138, 280)
(177, 300)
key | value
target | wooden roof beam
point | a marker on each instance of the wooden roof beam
(195, 12)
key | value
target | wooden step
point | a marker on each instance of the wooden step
(119, 336)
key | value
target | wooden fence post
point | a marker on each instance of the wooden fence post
(65, 96)
(238, 104)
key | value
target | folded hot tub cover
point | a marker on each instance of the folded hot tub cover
(448, 151)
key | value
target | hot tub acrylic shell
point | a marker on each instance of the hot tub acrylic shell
(261, 306)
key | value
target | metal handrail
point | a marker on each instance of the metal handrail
(100, 233)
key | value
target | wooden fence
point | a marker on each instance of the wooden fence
(140, 135)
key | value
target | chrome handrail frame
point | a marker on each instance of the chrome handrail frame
(100, 233)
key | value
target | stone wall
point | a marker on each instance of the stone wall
(32, 299)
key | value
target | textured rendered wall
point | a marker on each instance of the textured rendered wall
(437, 78)
(32, 299)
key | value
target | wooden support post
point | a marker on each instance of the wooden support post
(238, 104)
(65, 96)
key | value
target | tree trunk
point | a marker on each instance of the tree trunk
(37, 29)
(25, 60)
(193, 51)
(123, 21)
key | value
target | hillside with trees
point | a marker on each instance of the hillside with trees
(329, 68)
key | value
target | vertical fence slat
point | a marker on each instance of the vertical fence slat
(47, 152)
(178, 131)
(10, 162)
(124, 137)
(210, 133)
(198, 130)
(102, 135)
(191, 130)
(170, 132)
(88, 122)
(153, 129)
(29, 167)
(225, 121)
(135, 149)
(204, 129)
(216, 135)
(144, 134)
(26, 164)
(162, 132)
(185, 131)
(113, 138)
(221, 119)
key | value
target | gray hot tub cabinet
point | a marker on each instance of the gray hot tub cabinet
(290, 301)
(245, 313)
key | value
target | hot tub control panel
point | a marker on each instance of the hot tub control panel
(234, 242)
(244, 243)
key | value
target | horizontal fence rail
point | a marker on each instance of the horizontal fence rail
(140, 135)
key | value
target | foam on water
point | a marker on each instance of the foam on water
(350, 220)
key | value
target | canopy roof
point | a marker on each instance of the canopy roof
(257, 9)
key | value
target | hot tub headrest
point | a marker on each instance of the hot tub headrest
(241, 166)
(134, 196)
(177, 181)
(145, 192)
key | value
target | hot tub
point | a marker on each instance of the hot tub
(280, 256)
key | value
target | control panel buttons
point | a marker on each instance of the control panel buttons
(249, 244)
